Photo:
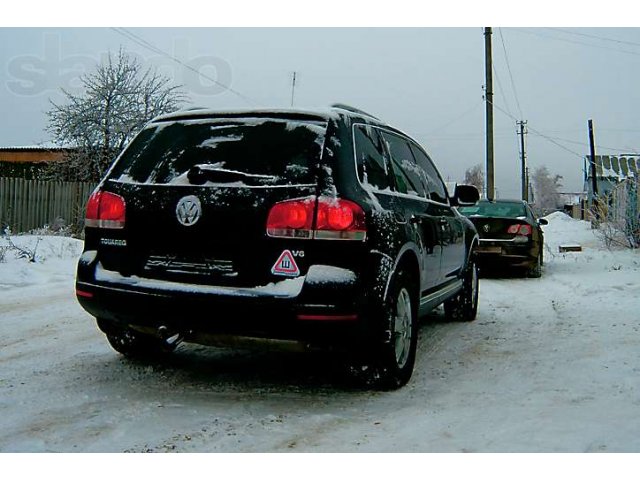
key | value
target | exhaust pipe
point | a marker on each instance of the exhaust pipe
(171, 339)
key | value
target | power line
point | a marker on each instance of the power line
(600, 147)
(619, 129)
(549, 139)
(462, 115)
(506, 103)
(570, 130)
(463, 137)
(575, 41)
(149, 46)
(513, 84)
(604, 39)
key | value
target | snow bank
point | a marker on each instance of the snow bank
(55, 260)
(587, 268)
(563, 229)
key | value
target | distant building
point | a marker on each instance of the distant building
(27, 161)
(610, 171)
(617, 181)
(573, 204)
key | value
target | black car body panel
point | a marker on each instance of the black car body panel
(501, 242)
(217, 275)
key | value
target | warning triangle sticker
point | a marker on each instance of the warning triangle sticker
(286, 265)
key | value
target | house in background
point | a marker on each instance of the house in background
(610, 172)
(618, 184)
(28, 161)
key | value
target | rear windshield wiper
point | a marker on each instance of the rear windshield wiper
(199, 174)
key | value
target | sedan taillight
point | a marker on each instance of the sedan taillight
(519, 229)
(105, 210)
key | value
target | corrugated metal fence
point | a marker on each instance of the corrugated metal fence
(29, 204)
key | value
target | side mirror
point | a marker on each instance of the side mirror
(465, 196)
(543, 221)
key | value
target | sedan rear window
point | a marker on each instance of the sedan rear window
(495, 209)
(251, 151)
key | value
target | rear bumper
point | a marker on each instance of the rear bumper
(322, 308)
(506, 252)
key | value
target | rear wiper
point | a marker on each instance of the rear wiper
(199, 174)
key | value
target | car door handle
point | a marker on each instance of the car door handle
(443, 221)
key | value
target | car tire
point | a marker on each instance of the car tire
(133, 344)
(388, 363)
(536, 270)
(463, 307)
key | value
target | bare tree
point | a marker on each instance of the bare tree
(546, 189)
(118, 99)
(475, 176)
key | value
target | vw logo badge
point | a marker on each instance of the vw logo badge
(485, 227)
(189, 210)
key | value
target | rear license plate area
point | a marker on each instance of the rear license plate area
(192, 266)
(497, 250)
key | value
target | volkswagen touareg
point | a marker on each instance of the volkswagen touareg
(325, 229)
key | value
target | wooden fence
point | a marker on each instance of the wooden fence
(29, 204)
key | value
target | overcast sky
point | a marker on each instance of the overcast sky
(426, 82)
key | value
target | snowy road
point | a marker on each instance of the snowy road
(550, 365)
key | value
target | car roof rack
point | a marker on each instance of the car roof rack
(349, 108)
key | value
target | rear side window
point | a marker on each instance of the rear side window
(436, 188)
(410, 178)
(370, 158)
(253, 151)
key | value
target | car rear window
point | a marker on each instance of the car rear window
(252, 151)
(495, 209)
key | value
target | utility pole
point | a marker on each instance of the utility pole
(592, 148)
(489, 113)
(523, 161)
(594, 179)
(293, 87)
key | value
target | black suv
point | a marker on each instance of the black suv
(303, 228)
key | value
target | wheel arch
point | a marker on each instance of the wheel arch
(385, 267)
(407, 261)
(471, 245)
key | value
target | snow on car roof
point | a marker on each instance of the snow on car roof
(204, 112)
(319, 113)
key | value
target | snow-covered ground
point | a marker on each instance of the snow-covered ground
(550, 365)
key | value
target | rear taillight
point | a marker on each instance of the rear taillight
(105, 210)
(292, 218)
(339, 219)
(519, 229)
(324, 218)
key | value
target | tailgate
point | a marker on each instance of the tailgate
(198, 194)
